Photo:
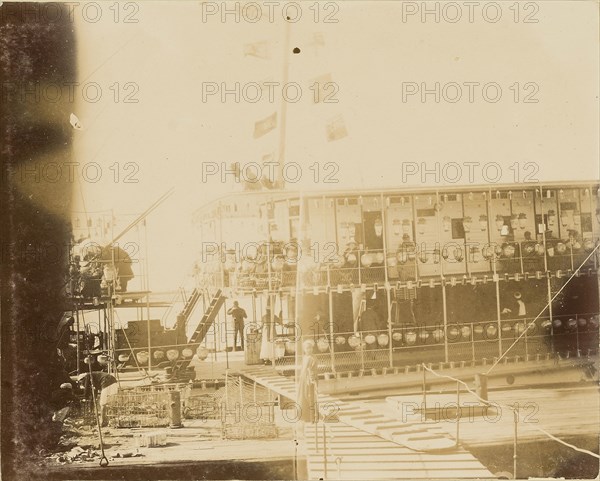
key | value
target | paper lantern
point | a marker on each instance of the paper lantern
(581, 322)
(411, 337)
(453, 333)
(588, 245)
(556, 323)
(379, 258)
(351, 259)
(172, 354)
(539, 249)
(370, 339)
(478, 330)
(354, 341)
(322, 344)
(438, 335)
(383, 339)
(572, 323)
(123, 357)
(546, 324)
(465, 332)
(508, 250)
(519, 328)
(142, 357)
(483, 222)
(491, 331)
(187, 352)
(561, 248)
(397, 336)
(593, 323)
(366, 260)
(340, 340)
(507, 328)
(158, 355)
(202, 352)
(423, 335)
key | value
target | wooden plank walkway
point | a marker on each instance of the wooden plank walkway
(414, 450)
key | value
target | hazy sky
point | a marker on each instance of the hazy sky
(374, 56)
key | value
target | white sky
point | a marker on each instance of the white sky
(370, 52)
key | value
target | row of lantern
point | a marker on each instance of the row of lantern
(172, 355)
(455, 333)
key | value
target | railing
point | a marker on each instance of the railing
(370, 267)
(567, 336)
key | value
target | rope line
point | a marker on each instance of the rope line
(508, 406)
(542, 311)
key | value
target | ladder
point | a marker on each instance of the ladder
(203, 326)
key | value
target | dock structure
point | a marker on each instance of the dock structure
(354, 442)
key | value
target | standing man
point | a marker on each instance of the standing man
(238, 315)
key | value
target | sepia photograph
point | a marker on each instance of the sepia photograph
(300, 240)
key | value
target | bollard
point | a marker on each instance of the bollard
(174, 409)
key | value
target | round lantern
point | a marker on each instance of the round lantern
(550, 251)
(123, 357)
(202, 352)
(465, 331)
(507, 328)
(509, 250)
(142, 357)
(546, 324)
(588, 245)
(593, 322)
(351, 259)
(322, 344)
(158, 355)
(354, 341)
(423, 335)
(411, 337)
(366, 260)
(172, 354)
(383, 340)
(397, 336)
(370, 339)
(572, 323)
(561, 248)
(379, 258)
(478, 330)
(539, 249)
(340, 340)
(453, 333)
(529, 248)
(556, 323)
(438, 335)
(581, 322)
(491, 331)
(187, 352)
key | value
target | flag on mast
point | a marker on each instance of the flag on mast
(265, 126)
(336, 129)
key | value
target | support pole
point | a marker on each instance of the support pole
(445, 314)
(331, 343)
(516, 423)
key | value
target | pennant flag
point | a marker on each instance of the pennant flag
(323, 89)
(75, 122)
(336, 129)
(265, 126)
(258, 50)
